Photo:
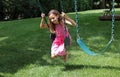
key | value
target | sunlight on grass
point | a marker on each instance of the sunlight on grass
(94, 11)
(91, 11)
(96, 38)
(3, 38)
(32, 49)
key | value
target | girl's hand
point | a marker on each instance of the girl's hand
(63, 14)
(42, 15)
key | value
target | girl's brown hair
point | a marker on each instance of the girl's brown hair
(52, 25)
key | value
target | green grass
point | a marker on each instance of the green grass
(25, 49)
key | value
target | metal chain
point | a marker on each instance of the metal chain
(76, 17)
(113, 20)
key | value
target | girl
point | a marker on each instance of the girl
(56, 26)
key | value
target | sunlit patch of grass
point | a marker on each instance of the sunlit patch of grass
(3, 38)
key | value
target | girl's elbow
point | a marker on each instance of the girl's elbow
(74, 23)
(42, 26)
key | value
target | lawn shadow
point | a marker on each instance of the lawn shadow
(1, 76)
(14, 59)
(74, 67)
(23, 48)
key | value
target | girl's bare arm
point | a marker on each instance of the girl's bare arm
(42, 24)
(68, 20)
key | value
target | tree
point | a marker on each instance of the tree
(1, 10)
(102, 4)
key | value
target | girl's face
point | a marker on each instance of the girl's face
(53, 18)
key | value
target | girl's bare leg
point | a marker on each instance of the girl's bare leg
(54, 56)
(65, 57)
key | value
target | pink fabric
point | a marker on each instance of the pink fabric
(58, 47)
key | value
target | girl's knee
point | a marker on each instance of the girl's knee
(53, 56)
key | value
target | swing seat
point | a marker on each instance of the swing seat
(52, 36)
(84, 47)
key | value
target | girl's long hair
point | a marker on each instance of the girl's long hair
(52, 25)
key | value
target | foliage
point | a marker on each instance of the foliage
(86, 4)
(18, 9)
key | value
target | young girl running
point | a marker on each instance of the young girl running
(56, 26)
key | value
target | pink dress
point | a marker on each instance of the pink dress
(58, 47)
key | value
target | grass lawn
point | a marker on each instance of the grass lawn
(25, 49)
